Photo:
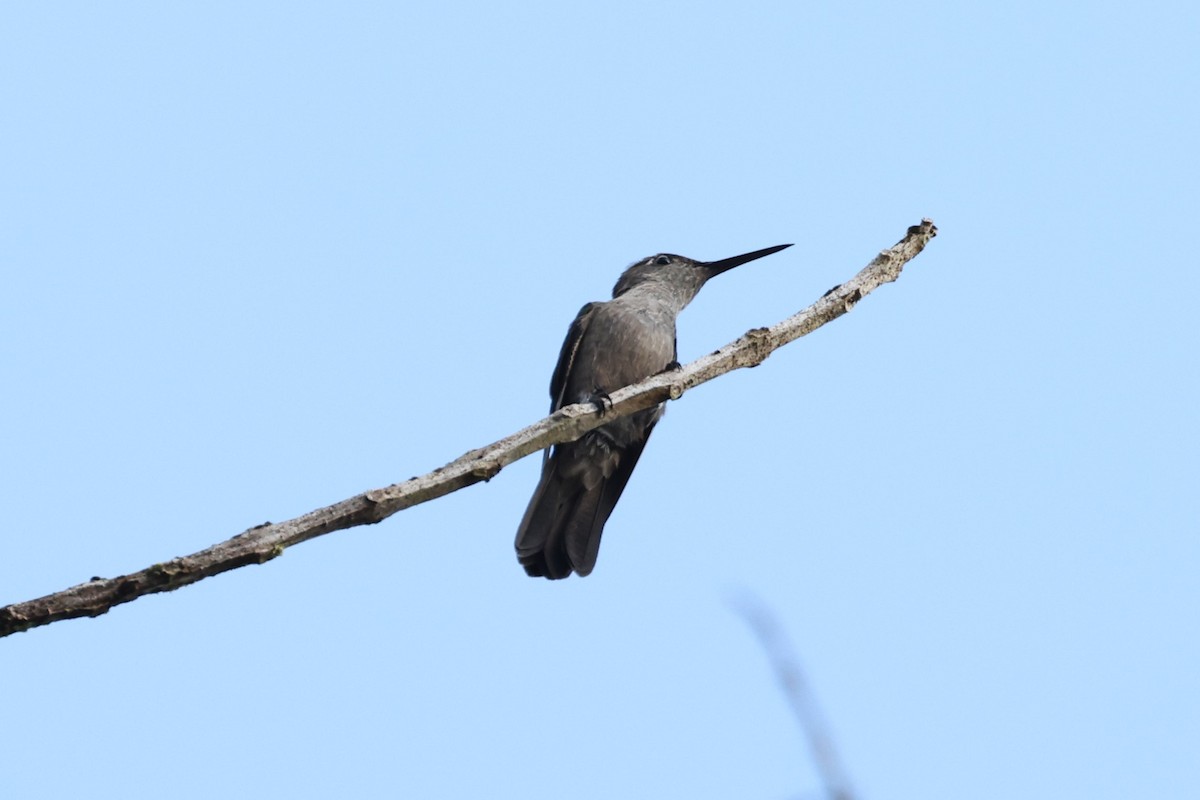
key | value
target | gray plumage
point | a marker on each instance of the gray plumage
(609, 345)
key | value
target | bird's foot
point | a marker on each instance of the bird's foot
(601, 400)
(674, 366)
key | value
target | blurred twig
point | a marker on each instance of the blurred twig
(798, 693)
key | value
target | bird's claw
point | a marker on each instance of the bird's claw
(601, 400)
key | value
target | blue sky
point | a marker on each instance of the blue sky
(261, 257)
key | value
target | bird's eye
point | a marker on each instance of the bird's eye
(662, 261)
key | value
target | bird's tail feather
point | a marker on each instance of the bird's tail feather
(560, 532)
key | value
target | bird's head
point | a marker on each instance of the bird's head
(679, 275)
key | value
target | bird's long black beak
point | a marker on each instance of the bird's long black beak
(726, 264)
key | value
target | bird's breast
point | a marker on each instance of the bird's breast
(624, 344)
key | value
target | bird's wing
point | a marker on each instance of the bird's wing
(566, 358)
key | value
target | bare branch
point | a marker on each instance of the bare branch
(267, 541)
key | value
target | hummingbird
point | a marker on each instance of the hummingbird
(609, 345)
